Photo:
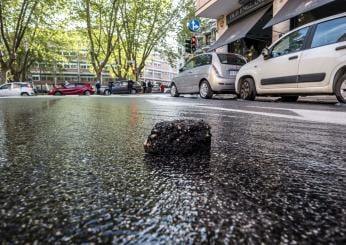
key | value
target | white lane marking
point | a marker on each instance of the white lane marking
(332, 117)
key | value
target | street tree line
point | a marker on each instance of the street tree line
(119, 32)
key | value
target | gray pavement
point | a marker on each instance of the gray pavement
(73, 170)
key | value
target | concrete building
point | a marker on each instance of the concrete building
(76, 68)
(158, 70)
(206, 36)
(247, 26)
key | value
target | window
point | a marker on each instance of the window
(191, 64)
(330, 32)
(229, 59)
(203, 60)
(6, 86)
(292, 43)
(157, 74)
(15, 85)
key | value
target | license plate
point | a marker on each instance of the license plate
(233, 73)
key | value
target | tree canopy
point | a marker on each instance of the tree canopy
(120, 34)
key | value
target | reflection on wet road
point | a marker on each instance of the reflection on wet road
(74, 170)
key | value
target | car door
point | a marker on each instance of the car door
(184, 78)
(15, 89)
(4, 90)
(280, 70)
(200, 71)
(69, 89)
(328, 46)
(116, 88)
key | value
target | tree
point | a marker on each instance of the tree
(100, 17)
(22, 23)
(141, 26)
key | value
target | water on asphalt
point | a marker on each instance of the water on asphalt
(73, 170)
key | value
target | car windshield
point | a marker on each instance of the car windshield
(228, 59)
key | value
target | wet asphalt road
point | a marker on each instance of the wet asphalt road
(73, 170)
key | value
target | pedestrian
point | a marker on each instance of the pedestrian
(149, 87)
(130, 86)
(98, 87)
(162, 88)
(110, 87)
(144, 85)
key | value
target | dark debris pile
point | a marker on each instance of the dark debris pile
(179, 137)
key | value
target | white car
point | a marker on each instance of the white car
(208, 74)
(16, 89)
(310, 60)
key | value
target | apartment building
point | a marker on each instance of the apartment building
(158, 70)
(206, 36)
(247, 26)
(76, 68)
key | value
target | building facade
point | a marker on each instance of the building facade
(247, 26)
(75, 68)
(158, 70)
(206, 36)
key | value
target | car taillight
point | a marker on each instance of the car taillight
(216, 71)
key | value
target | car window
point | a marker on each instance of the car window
(292, 43)
(15, 85)
(123, 83)
(330, 32)
(69, 86)
(229, 59)
(190, 64)
(203, 60)
(6, 86)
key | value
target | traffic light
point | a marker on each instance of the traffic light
(188, 46)
(193, 44)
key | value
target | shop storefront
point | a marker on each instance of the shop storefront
(245, 34)
(250, 26)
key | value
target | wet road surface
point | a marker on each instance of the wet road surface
(73, 170)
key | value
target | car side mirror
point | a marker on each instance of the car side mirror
(266, 53)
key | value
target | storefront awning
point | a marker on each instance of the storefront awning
(239, 29)
(294, 8)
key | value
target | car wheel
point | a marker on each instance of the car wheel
(174, 91)
(87, 93)
(205, 90)
(289, 98)
(24, 94)
(247, 89)
(58, 94)
(133, 91)
(340, 89)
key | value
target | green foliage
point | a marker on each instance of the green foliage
(118, 33)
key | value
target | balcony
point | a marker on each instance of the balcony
(213, 9)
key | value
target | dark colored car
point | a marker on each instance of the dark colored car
(73, 89)
(122, 87)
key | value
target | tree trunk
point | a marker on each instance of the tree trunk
(2, 75)
(98, 75)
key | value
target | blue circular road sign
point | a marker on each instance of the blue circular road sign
(194, 25)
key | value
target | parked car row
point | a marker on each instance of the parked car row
(310, 60)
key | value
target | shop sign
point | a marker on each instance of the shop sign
(246, 9)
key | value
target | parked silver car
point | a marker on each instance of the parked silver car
(208, 74)
(16, 89)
